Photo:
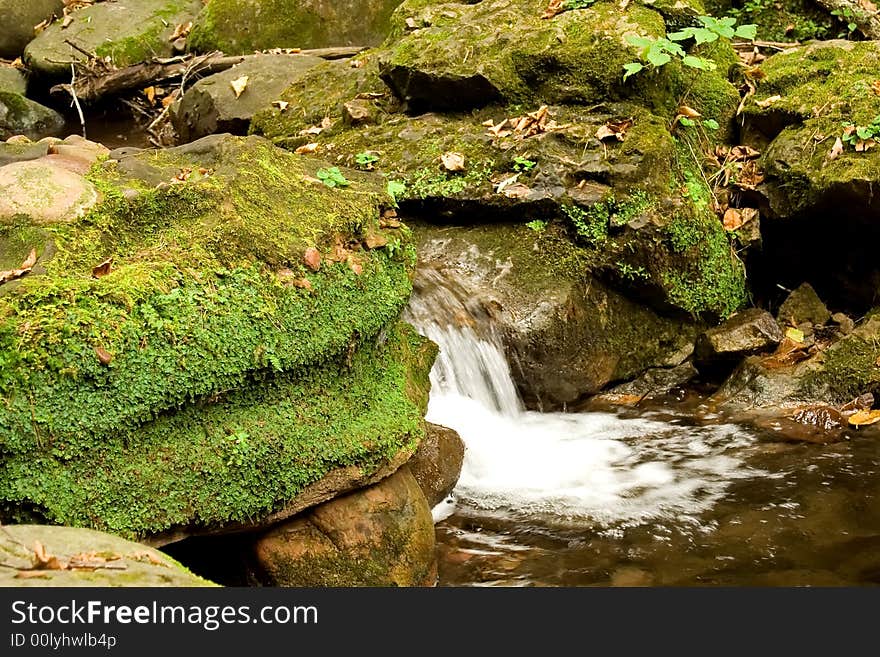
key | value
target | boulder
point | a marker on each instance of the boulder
(436, 465)
(242, 26)
(819, 89)
(211, 105)
(126, 31)
(568, 334)
(84, 557)
(212, 345)
(23, 116)
(803, 305)
(44, 192)
(655, 382)
(19, 19)
(748, 332)
(379, 536)
(12, 80)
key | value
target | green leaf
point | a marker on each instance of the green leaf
(710, 124)
(631, 69)
(657, 57)
(683, 35)
(747, 32)
(864, 132)
(638, 41)
(698, 62)
(395, 189)
(685, 121)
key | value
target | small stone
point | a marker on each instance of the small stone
(358, 112)
(748, 332)
(803, 305)
(844, 323)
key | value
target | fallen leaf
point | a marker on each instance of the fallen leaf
(732, 219)
(65, 23)
(25, 268)
(868, 6)
(32, 574)
(307, 149)
(103, 269)
(836, 150)
(688, 112)
(742, 153)
(146, 555)
(239, 85)
(103, 355)
(30, 261)
(555, 8)
(452, 162)
(875, 87)
(45, 561)
(860, 403)
(767, 102)
(288, 278)
(280, 104)
(794, 334)
(864, 418)
(616, 130)
(864, 145)
(312, 258)
(375, 240)
(517, 190)
(789, 352)
(181, 31)
(820, 416)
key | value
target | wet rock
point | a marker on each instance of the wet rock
(803, 305)
(379, 536)
(23, 116)
(655, 382)
(211, 106)
(114, 560)
(18, 19)
(241, 26)
(746, 333)
(566, 334)
(44, 192)
(436, 465)
(12, 80)
(12, 151)
(126, 31)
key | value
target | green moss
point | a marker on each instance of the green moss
(239, 455)
(849, 368)
(786, 20)
(193, 305)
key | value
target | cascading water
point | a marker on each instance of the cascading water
(594, 468)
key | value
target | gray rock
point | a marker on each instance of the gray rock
(656, 381)
(18, 18)
(22, 152)
(134, 565)
(210, 105)
(436, 465)
(12, 80)
(803, 305)
(22, 116)
(44, 191)
(751, 331)
(127, 31)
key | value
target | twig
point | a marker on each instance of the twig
(82, 119)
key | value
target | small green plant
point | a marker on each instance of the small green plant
(366, 160)
(630, 272)
(854, 135)
(568, 5)
(332, 177)
(708, 124)
(537, 225)
(662, 50)
(395, 189)
(523, 164)
(239, 444)
(846, 16)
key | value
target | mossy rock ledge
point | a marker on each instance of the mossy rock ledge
(175, 364)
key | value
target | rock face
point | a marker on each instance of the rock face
(436, 465)
(211, 106)
(113, 560)
(126, 31)
(378, 536)
(12, 80)
(18, 20)
(205, 372)
(809, 192)
(242, 26)
(23, 116)
(566, 333)
(748, 332)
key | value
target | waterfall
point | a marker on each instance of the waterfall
(557, 466)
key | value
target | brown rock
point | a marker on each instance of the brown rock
(748, 332)
(44, 192)
(378, 536)
(358, 112)
(436, 465)
(803, 305)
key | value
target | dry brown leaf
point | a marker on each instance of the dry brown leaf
(555, 8)
(25, 268)
(288, 278)
(875, 87)
(45, 561)
(103, 355)
(307, 149)
(312, 258)
(516, 190)
(864, 418)
(614, 130)
(689, 112)
(732, 219)
(150, 93)
(452, 162)
(864, 145)
(32, 574)
(375, 240)
(280, 104)
(239, 85)
(868, 6)
(181, 31)
(103, 269)
(860, 403)
(767, 102)
(30, 261)
(742, 153)
(836, 150)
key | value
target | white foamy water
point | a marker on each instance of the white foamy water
(563, 466)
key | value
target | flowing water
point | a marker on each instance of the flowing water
(647, 498)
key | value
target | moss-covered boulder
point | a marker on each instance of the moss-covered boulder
(465, 55)
(212, 337)
(19, 19)
(379, 536)
(821, 193)
(242, 26)
(126, 31)
(12, 80)
(70, 556)
(23, 116)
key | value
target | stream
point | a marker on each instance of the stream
(635, 498)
